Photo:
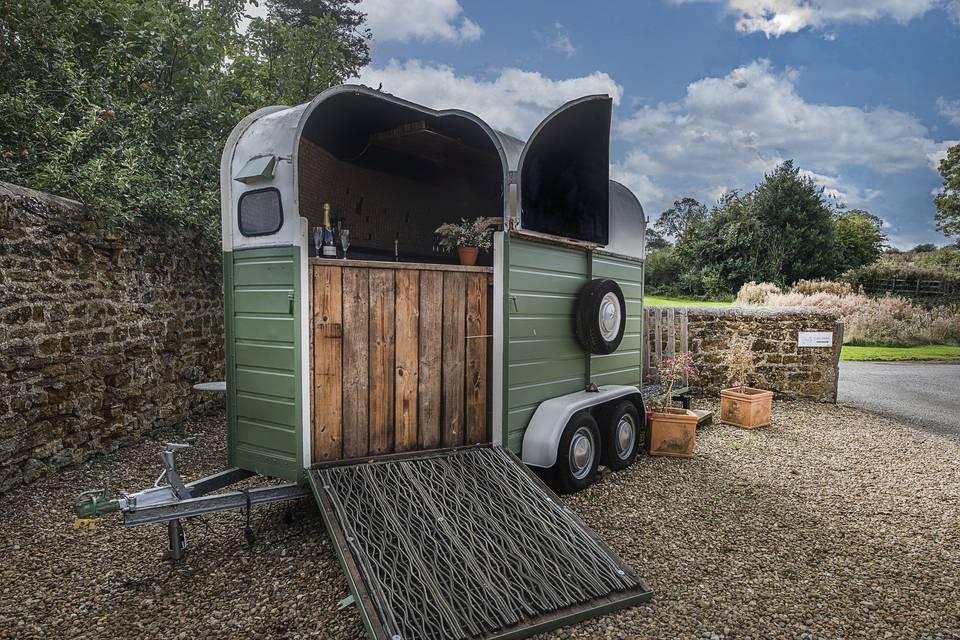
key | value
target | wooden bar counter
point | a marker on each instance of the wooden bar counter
(399, 356)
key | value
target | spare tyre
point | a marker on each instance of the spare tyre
(600, 316)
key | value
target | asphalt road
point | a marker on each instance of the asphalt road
(926, 394)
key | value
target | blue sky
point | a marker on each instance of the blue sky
(710, 94)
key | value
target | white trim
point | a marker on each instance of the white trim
(306, 346)
(499, 276)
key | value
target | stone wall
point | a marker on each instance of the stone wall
(782, 366)
(101, 334)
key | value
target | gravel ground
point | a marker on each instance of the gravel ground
(831, 523)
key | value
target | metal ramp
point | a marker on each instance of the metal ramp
(464, 544)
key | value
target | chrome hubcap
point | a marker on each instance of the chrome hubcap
(609, 316)
(582, 452)
(626, 435)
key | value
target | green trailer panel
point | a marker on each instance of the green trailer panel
(263, 343)
(623, 366)
(543, 359)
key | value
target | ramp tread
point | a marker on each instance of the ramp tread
(465, 544)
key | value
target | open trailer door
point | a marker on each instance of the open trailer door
(465, 544)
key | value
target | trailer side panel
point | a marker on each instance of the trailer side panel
(623, 365)
(262, 326)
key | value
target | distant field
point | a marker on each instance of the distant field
(660, 301)
(923, 352)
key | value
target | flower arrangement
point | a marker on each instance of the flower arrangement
(669, 373)
(739, 361)
(466, 233)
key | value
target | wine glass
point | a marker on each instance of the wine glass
(345, 241)
(317, 239)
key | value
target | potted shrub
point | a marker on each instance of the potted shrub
(740, 405)
(673, 432)
(467, 237)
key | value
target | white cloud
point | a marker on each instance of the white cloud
(778, 17)
(949, 109)
(419, 20)
(558, 40)
(730, 130)
(512, 100)
(939, 152)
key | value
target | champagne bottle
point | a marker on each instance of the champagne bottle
(329, 249)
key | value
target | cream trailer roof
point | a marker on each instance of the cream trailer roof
(555, 183)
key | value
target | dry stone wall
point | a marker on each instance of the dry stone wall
(786, 368)
(101, 335)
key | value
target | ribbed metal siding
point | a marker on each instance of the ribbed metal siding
(623, 365)
(263, 355)
(543, 357)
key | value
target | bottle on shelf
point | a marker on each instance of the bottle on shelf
(329, 247)
(396, 248)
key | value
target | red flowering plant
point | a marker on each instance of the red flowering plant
(669, 373)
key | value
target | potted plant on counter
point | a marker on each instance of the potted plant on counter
(740, 405)
(673, 431)
(467, 237)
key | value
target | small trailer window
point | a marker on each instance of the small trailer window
(260, 212)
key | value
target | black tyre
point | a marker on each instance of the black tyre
(600, 316)
(622, 435)
(578, 455)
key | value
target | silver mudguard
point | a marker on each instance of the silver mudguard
(542, 437)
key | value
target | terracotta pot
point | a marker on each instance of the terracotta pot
(747, 408)
(468, 255)
(673, 433)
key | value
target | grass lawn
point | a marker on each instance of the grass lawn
(922, 352)
(661, 301)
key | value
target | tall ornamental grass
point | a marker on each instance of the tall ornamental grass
(887, 321)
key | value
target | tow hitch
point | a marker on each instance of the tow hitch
(170, 499)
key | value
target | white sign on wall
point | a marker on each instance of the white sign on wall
(815, 339)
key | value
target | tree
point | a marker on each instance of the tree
(947, 200)
(352, 38)
(655, 241)
(798, 232)
(125, 104)
(926, 247)
(780, 232)
(859, 239)
(675, 220)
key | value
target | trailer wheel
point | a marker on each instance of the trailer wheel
(578, 454)
(621, 435)
(601, 316)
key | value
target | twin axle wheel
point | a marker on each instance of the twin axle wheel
(613, 439)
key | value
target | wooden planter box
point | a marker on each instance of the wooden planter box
(748, 408)
(673, 433)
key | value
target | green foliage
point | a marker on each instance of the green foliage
(661, 269)
(947, 200)
(782, 231)
(466, 233)
(887, 270)
(126, 104)
(685, 212)
(942, 258)
(859, 239)
(655, 241)
(352, 37)
(797, 226)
